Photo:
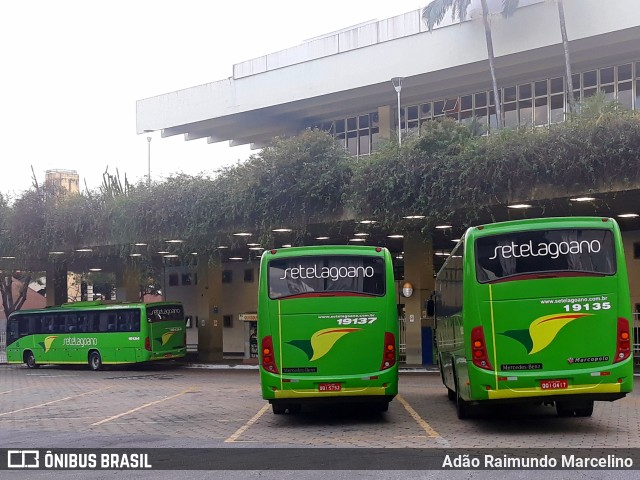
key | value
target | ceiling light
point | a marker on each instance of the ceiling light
(135, 255)
(281, 230)
(322, 238)
(367, 222)
(288, 245)
(175, 241)
(414, 217)
(442, 227)
(171, 255)
(194, 253)
(442, 254)
(256, 248)
(582, 199)
(357, 240)
(395, 236)
(222, 246)
(56, 253)
(243, 234)
(7, 258)
(140, 244)
(628, 215)
(361, 234)
(95, 269)
(253, 244)
(235, 258)
(455, 240)
(84, 250)
(519, 205)
(162, 252)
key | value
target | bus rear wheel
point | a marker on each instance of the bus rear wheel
(574, 409)
(95, 361)
(30, 359)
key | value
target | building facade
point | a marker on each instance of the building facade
(342, 83)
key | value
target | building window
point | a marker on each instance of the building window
(227, 321)
(227, 276)
(186, 279)
(173, 280)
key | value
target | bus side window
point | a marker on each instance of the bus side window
(72, 323)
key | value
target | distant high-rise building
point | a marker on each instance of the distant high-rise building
(68, 180)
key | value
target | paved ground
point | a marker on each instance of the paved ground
(182, 406)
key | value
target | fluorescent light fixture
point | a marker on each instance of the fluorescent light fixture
(367, 222)
(520, 205)
(281, 230)
(140, 244)
(235, 258)
(83, 250)
(582, 199)
(171, 255)
(443, 227)
(194, 253)
(362, 234)
(135, 255)
(322, 238)
(256, 248)
(175, 240)
(56, 253)
(162, 252)
(455, 240)
(357, 239)
(414, 217)
(7, 258)
(222, 247)
(628, 215)
(400, 257)
(253, 244)
(288, 245)
(95, 269)
(243, 234)
(443, 254)
(395, 236)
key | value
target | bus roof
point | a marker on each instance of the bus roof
(328, 250)
(93, 304)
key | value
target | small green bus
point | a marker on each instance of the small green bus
(97, 333)
(536, 310)
(327, 327)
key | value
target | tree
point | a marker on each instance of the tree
(510, 6)
(434, 13)
(10, 304)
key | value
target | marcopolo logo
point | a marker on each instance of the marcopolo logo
(333, 273)
(551, 249)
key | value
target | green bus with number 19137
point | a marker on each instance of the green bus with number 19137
(327, 326)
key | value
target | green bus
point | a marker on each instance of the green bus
(327, 327)
(538, 311)
(97, 333)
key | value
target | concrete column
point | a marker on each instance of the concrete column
(209, 310)
(56, 283)
(127, 283)
(418, 270)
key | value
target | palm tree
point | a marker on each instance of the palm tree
(433, 14)
(510, 6)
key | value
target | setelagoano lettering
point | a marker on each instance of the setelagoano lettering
(552, 249)
(333, 273)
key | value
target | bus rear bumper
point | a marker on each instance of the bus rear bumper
(603, 391)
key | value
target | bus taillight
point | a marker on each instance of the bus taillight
(147, 344)
(623, 341)
(389, 353)
(268, 358)
(479, 349)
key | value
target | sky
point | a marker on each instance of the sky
(72, 71)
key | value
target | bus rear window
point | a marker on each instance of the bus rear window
(589, 251)
(163, 313)
(330, 274)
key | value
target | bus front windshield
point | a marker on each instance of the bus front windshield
(582, 251)
(326, 274)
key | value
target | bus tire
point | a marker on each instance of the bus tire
(30, 359)
(451, 395)
(463, 409)
(95, 360)
(278, 408)
(585, 409)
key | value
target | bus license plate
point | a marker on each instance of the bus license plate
(329, 387)
(557, 384)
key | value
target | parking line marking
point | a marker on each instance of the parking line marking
(52, 401)
(155, 402)
(243, 428)
(15, 390)
(422, 422)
